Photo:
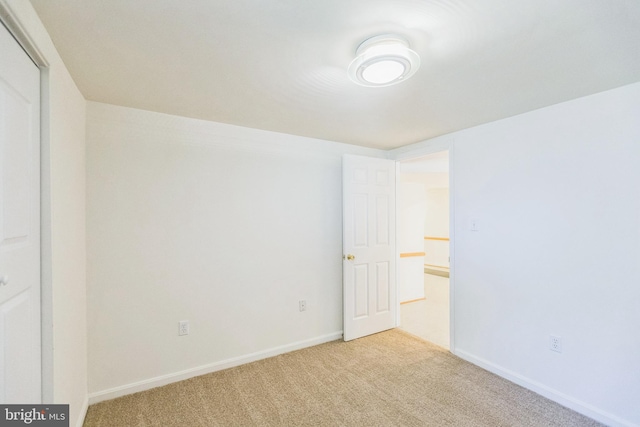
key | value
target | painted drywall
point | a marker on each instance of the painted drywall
(68, 243)
(436, 221)
(63, 225)
(554, 194)
(428, 179)
(436, 224)
(224, 226)
(411, 211)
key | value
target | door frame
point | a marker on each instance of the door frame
(445, 143)
(10, 18)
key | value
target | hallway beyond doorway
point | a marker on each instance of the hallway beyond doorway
(428, 318)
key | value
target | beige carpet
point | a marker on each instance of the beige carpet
(388, 379)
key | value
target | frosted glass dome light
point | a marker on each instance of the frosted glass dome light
(383, 61)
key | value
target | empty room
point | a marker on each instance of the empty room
(329, 213)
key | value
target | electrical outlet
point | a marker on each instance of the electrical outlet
(555, 343)
(183, 327)
(302, 305)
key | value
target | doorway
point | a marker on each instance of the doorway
(424, 247)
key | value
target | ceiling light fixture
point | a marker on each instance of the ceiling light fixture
(383, 61)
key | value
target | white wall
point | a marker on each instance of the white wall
(224, 226)
(556, 195)
(63, 230)
(68, 244)
(411, 210)
(436, 224)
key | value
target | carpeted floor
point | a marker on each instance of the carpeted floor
(387, 379)
(428, 318)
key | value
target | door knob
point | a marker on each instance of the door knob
(351, 257)
(4, 280)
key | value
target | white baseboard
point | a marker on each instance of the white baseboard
(83, 412)
(561, 398)
(123, 390)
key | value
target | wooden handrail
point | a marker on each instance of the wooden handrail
(413, 300)
(411, 254)
(436, 266)
(436, 238)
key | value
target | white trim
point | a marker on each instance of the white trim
(10, 20)
(161, 380)
(83, 412)
(397, 252)
(558, 397)
(452, 246)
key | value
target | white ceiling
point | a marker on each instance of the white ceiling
(281, 65)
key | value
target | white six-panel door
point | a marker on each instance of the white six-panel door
(369, 246)
(20, 357)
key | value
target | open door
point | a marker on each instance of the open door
(369, 262)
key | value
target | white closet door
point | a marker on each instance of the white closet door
(20, 355)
